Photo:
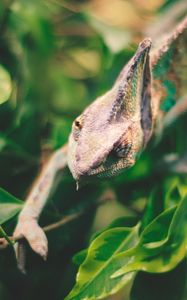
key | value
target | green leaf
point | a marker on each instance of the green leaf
(162, 198)
(155, 206)
(5, 85)
(100, 264)
(173, 191)
(79, 257)
(157, 231)
(162, 244)
(9, 206)
(178, 228)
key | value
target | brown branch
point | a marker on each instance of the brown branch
(62, 222)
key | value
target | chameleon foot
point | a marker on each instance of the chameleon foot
(33, 233)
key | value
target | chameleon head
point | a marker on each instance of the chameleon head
(110, 134)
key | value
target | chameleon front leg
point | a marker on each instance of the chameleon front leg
(27, 226)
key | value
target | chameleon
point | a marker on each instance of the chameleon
(112, 132)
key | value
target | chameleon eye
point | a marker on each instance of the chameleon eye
(123, 150)
(77, 126)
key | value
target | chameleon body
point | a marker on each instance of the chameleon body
(109, 136)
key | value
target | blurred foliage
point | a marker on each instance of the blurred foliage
(56, 57)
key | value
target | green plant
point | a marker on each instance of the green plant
(55, 59)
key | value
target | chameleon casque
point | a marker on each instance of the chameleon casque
(109, 136)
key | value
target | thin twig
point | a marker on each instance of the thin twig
(62, 222)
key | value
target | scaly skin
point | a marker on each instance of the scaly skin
(111, 133)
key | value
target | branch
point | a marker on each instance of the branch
(62, 221)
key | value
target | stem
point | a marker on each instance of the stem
(6, 237)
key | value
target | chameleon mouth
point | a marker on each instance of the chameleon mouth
(105, 173)
(99, 170)
(110, 171)
(94, 175)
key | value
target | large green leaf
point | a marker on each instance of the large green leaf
(93, 278)
(9, 206)
(120, 222)
(160, 248)
(162, 244)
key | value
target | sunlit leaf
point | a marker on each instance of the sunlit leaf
(9, 206)
(120, 222)
(93, 279)
(5, 85)
(162, 244)
(80, 257)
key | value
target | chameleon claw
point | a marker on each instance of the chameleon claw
(34, 234)
(77, 185)
(20, 253)
(41, 249)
